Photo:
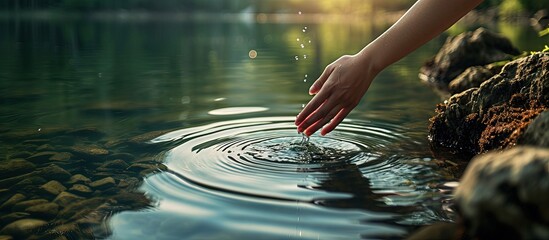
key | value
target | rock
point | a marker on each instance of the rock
(28, 185)
(53, 187)
(147, 172)
(473, 77)
(66, 198)
(465, 50)
(12, 217)
(537, 133)
(130, 183)
(45, 211)
(505, 195)
(70, 229)
(34, 134)
(16, 167)
(45, 147)
(131, 200)
(124, 156)
(141, 166)
(88, 133)
(79, 178)
(23, 228)
(494, 115)
(89, 151)
(12, 201)
(116, 165)
(9, 182)
(146, 137)
(80, 209)
(24, 154)
(41, 157)
(21, 206)
(4, 195)
(36, 141)
(103, 183)
(62, 156)
(54, 172)
(80, 189)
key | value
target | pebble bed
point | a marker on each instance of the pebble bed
(64, 183)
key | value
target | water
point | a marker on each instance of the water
(220, 157)
(245, 178)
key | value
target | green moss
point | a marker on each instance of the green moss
(511, 8)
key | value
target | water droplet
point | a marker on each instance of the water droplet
(40, 129)
(304, 30)
(305, 56)
(99, 75)
(305, 80)
(297, 39)
(305, 75)
(252, 54)
(302, 46)
(185, 100)
(299, 12)
(302, 105)
(296, 58)
(309, 41)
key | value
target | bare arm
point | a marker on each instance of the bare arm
(343, 83)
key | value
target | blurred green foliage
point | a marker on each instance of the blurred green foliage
(506, 7)
(264, 6)
(515, 7)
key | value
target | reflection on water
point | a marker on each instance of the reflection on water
(257, 176)
(84, 98)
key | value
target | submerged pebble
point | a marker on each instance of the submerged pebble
(53, 188)
(43, 211)
(16, 167)
(23, 228)
(103, 183)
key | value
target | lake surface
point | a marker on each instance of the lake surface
(193, 122)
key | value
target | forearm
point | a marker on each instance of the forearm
(425, 20)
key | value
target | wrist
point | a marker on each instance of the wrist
(368, 60)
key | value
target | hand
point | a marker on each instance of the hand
(337, 91)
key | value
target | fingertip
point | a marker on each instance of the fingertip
(323, 132)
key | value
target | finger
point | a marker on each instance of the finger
(317, 85)
(320, 113)
(335, 121)
(311, 107)
(321, 122)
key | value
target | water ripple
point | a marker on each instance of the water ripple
(258, 171)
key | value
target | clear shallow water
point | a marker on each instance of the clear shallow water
(221, 123)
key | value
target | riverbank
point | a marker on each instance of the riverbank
(500, 116)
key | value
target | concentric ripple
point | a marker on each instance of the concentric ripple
(257, 156)
(357, 181)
